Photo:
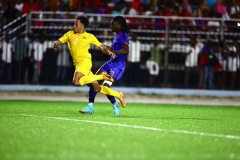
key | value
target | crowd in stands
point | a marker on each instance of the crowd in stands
(187, 8)
(209, 65)
(222, 9)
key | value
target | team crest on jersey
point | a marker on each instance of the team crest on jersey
(84, 37)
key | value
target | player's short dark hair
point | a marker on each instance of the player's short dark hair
(83, 20)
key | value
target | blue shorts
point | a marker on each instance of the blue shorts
(115, 69)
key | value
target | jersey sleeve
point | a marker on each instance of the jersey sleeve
(64, 38)
(95, 41)
(124, 40)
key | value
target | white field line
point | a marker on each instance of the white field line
(142, 127)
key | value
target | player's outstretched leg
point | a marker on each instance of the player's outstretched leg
(121, 99)
(87, 110)
(91, 78)
(116, 110)
(107, 91)
(91, 97)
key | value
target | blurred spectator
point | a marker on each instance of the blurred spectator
(209, 62)
(221, 10)
(116, 10)
(31, 5)
(1, 5)
(128, 10)
(55, 15)
(191, 61)
(211, 3)
(203, 9)
(29, 60)
(20, 49)
(142, 10)
(10, 13)
(221, 74)
(238, 65)
(63, 63)
(122, 4)
(39, 48)
(133, 65)
(232, 65)
(102, 9)
(53, 5)
(153, 63)
(90, 6)
(163, 4)
(19, 5)
(136, 4)
(185, 8)
(234, 9)
(72, 3)
(1, 66)
(213, 27)
(6, 48)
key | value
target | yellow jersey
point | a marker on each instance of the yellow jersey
(79, 44)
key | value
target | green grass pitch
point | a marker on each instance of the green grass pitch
(46, 130)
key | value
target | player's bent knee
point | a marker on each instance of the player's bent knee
(75, 83)
(97, 89)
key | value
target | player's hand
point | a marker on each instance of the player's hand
(55, 44)
(111, 54)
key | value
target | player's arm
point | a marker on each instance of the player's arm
(63, 39)
(124, 50)
(107, 50)
(57, 43)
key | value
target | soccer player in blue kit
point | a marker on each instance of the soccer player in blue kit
(114, 66)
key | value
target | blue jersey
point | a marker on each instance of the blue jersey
(119, 40)
(116, 66)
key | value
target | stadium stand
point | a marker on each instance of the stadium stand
(170, 24)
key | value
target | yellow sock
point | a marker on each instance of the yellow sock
(89, 79)
(108, 91)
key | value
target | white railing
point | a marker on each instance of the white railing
(18, 24)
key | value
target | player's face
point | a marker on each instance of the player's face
(78, 26)
(115, 26)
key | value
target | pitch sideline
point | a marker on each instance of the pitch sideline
(141, 127)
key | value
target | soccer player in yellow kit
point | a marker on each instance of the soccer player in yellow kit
(79, 42)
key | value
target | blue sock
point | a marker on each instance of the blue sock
(111, 99)
(91, 95)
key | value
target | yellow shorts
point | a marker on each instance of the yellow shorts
(84, 66)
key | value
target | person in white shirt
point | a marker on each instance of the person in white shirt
(133, 65)
(6, 48)
(232, 64)
(39, 48)
(63, 63)
(191, 61)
